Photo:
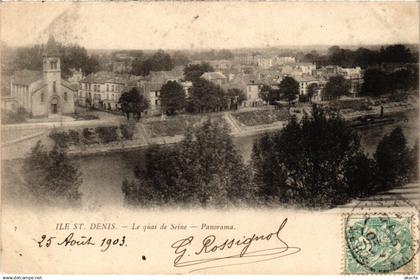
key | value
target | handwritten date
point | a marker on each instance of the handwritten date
(72, 240)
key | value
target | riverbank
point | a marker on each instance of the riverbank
(167, 131)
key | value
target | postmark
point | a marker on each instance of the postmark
(380, 239)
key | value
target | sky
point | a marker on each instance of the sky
(210, 25)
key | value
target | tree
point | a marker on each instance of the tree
(375, 83)
(205, 169)
(235, 98)
(393, 159)
(308, 162)
(160, 171)
(193, 72)
(133, 102)
(159, 61)
(289, 88)
(180, 58)
(51, 175)
(396, 53)
(206, 96)
(72, 57)
(312, 90)
(336, 86)
(264, 94)
(172, 97)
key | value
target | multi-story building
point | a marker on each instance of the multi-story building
(355, 78)
(253, 90)
(102, 90)
(265, 62)
(306, 68)
(281, 60)
(304, 83)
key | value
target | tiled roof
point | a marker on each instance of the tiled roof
(213, 76)
(105, 77)
(26, 77)
(69, 85)
(305, 78)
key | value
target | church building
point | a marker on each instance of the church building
(44, 93)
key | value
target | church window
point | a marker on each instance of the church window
(42, 97)
(54, 87)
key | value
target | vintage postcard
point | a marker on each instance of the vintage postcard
(210, 138)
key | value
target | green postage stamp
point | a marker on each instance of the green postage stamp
(380, 243)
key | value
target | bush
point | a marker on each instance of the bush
(127, 131)
(107, 133)
(89, 136)
(74, 137)
(61, 138)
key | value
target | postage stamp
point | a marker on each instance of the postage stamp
(380, 244)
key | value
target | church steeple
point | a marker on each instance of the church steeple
(51, 49)
(51, 56)
(52, 76)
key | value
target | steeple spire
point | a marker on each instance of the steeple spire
(51, 49)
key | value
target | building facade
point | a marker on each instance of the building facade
(44, 93)
(102, 90)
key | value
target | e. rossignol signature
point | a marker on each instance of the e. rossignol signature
(210, 250)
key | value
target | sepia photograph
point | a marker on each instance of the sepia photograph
(188, 131)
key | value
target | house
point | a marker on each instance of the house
(304, 83)
(43, 93)
(281, 60)
(265, 62)
(152, 84)
(253, 98)
(102, 90)
(355, 78)
(215, 77)
(306, 68)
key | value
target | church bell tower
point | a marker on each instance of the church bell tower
(52, 77)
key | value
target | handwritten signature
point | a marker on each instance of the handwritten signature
(210, 246)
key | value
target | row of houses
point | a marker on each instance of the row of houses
(102, 90)
(45, 93)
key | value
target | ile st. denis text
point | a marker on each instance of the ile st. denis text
(141, 226)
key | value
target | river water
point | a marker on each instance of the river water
(103, 174)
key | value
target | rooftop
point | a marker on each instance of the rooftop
(26, 77)
(213, 76)
(105, 77)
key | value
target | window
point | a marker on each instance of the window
(65, 96)
(156, 102)
(54, 87)
(42, 97)
(112, 87)
(107, 87)
(113, 97)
